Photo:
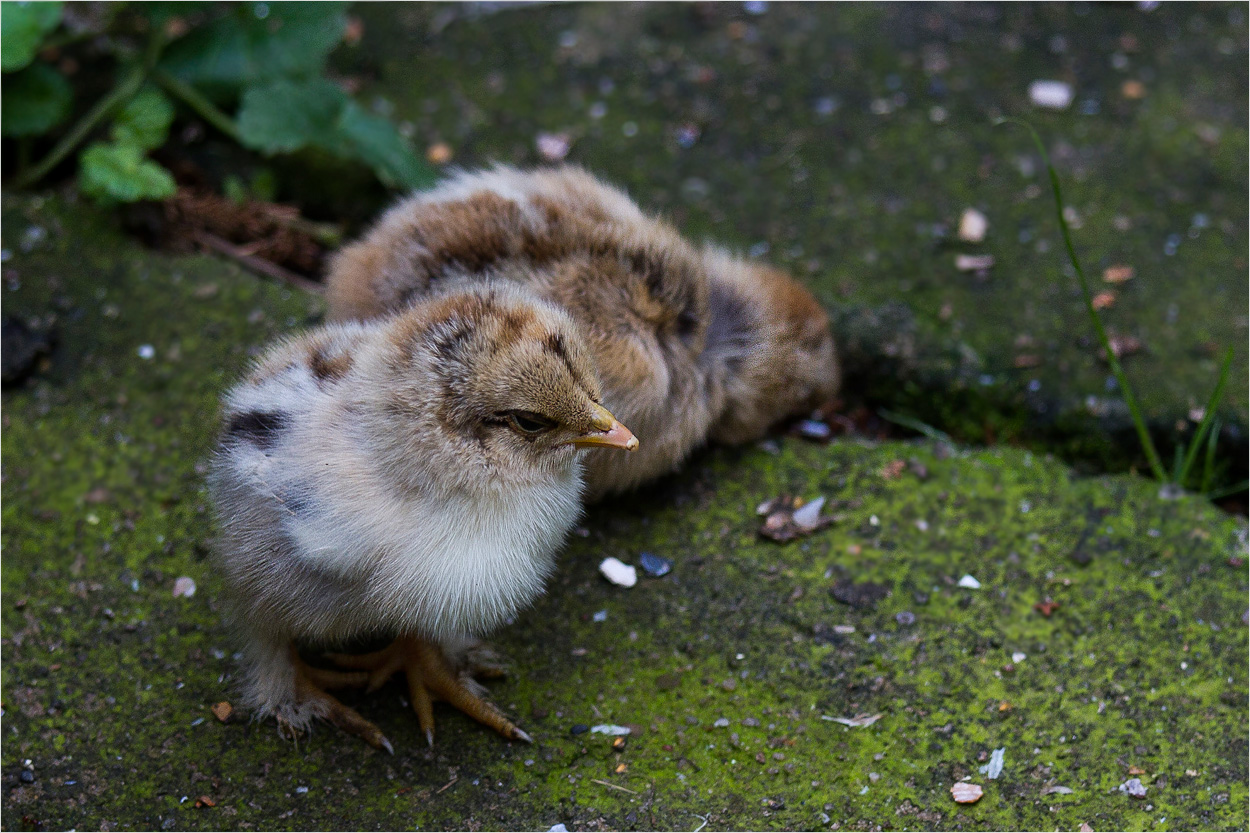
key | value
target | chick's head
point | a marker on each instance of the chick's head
(504, 382)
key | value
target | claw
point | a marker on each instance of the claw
(429, 676)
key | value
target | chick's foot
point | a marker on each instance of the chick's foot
(430, 676)
(310, 688)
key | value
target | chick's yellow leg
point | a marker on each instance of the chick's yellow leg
(430, 676)
(310, 687)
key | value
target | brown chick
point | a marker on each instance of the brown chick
(408, 477)
(691, 343)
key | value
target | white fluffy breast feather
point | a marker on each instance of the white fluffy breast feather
(443, 565)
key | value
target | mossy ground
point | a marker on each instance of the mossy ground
(807, 133)
(108, 678)
(843, 142)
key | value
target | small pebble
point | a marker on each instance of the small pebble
(1117, 274)
(579, 729)
(184, 587)
(600, 616)
(146, 351)
(972, 226)
(1054, 95)
(973, 263)
(814, 429)
(905, 618)
(966, 793)
(553, 147)
(721, 722)
(439, 153)
(969, 582)
(1133, 788)
(557, 828)
(653, 565)
(27, 777)
(618, 572)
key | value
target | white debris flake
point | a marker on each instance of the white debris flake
(618, 572)
(995, 767)
(1057, 790)
(610, 729)
(146, 351)
(557, 828)
(857, 721)
(1019, 656)
(808, 515)
(969, 582)
(184, 587)
(972, 226)
(1055, 95)
(1133, 787)
(966, 793)
(973, 263)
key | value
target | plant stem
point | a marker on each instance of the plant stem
(196, 100)
(117, 97)
(1130, 399)
(120, 94)
(1208, 417)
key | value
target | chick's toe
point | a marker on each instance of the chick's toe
(431, 677)
(310, 687)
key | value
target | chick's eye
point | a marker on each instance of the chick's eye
(527, 422)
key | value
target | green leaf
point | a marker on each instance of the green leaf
(144, 121)
(375, 141)
(35, 100)
(120, 173)
(257, 43)
(289, 115)
(23, 26)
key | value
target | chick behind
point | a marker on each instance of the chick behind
(690, 343)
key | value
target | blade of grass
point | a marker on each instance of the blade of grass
(1228, 490)
(915, 425)
(1208, 466)
(1130, 399)
(1212, 404)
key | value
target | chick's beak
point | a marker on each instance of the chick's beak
(607, 432)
